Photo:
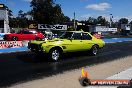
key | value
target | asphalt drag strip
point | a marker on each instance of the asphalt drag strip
(24, 66)
(70, 79)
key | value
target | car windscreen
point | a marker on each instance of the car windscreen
(66, 35)
(19, 32)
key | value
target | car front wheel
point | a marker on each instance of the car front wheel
(55, 54)
(94, 50)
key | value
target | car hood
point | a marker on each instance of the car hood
(37, 42)
(50, 41)
(11, 34)
(54, 40)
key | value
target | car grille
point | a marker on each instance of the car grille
(35, 47)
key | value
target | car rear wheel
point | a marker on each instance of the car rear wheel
(14, 38)
(55, 54)
(94, 50)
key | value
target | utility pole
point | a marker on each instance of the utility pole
(74, 21)
(111, 20)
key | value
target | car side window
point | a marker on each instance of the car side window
(86, 36)
(30, 32)
(27, 32)
(76, 36)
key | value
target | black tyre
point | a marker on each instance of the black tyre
(84, 81)
(94, 50)
(14, 38)
(55, 54)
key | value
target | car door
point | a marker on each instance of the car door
(87, 41)
(67, 43)
(76, 42)
(28, 35)
(32, 35)
(73, 42)
(19, 35)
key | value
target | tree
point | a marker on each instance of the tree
(115, 25)
(102, 21)
(20, 13)
(123, 21)
(47, 12)
(130, 23)
(66, 19)
(91, 21)
(13, 22)
(22, 21)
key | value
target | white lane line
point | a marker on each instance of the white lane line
(127, 74)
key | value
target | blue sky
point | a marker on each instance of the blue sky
(82, 8)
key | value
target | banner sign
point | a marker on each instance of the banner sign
(52, 27)
(99, 29)
(2, 6)
(33, 26)
(10, 44)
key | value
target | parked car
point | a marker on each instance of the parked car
(69, 42)
(24, 35)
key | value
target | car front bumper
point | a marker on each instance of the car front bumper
(35, 48)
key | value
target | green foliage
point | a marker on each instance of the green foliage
(91, 21)
(102, 21)
(123, 21)
(47, 12)
(20, 21)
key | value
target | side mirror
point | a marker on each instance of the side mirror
(69, 38)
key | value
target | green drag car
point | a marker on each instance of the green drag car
(70, 41)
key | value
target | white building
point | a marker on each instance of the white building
(102, 29)
(126, 27)
(4, 20)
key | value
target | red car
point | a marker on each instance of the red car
(24, 35)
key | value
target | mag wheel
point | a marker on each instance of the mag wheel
(94, 50)
(55, 54)
(14, 38)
